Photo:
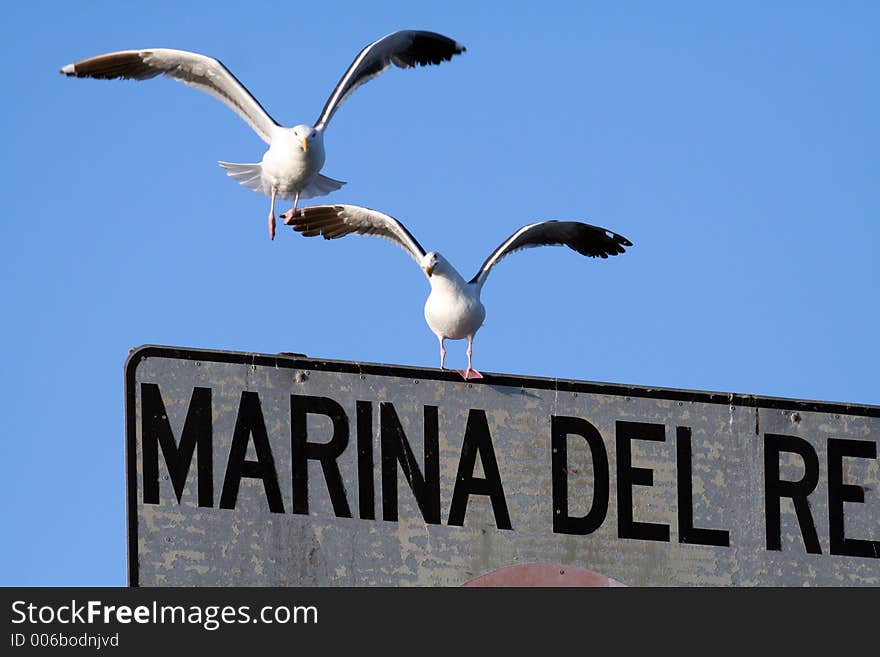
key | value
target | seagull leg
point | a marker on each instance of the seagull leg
(290, 214)
(272, 214)
(470, 372)
(442, 353)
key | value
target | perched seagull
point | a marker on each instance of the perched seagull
(453, 309)
(290, 168)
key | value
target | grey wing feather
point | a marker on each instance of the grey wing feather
(198, 71)
(405, 49)
(591, 241)
(335, 221)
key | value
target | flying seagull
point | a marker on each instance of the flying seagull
(453, 309)
(290, 168)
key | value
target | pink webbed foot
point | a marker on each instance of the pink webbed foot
(470, 374)
(289, 215)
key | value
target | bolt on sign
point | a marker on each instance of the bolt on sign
(247, 469)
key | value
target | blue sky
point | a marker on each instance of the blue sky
(735, 144)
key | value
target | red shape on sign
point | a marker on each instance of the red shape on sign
(543, 574)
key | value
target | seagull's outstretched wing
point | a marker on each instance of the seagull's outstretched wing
(405, 49)
(198, 71)
(333, 221)
(587, 240)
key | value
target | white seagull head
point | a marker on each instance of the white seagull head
(305, 136)
(430, 261)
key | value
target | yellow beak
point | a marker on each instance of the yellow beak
(305, 145)
(428, 270)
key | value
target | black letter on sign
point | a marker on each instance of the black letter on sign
(560, 428)
(687, 533)
(627, 476)
(327, 453)
(839, 492)
(249, 423)
(366, 487)
(774, 489)
(478, 439)
(396, 449)
(156, 431)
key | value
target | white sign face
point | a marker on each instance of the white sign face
(247, 469)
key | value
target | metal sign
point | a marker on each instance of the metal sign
(247, 469)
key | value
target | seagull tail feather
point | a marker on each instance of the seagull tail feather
(249, 175)
(319, 186)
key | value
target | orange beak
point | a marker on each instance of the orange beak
(305, 145)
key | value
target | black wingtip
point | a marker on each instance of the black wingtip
(618, 239)
(429, 48)
(609, 244)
